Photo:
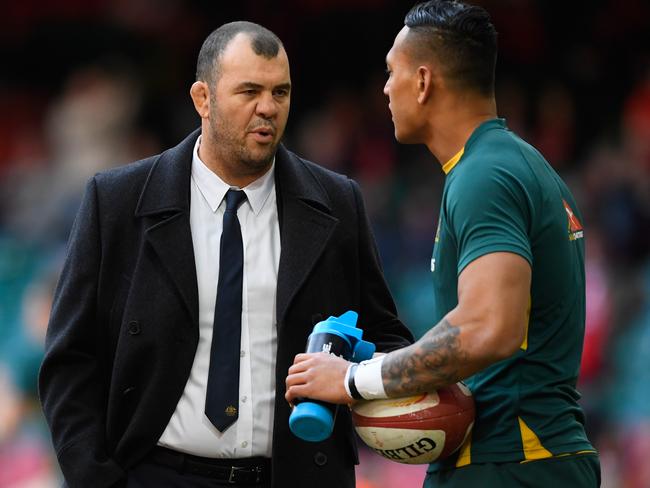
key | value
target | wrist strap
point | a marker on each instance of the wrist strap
(368, 380)
(350, 386)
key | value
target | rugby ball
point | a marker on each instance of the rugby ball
(417, 429)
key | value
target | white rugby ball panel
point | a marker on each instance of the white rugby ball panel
(416, 429)
(404, 446)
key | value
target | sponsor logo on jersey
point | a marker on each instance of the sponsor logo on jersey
(575, 227)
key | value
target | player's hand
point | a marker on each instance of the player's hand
(318, 376)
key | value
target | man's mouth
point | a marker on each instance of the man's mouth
(263, 134)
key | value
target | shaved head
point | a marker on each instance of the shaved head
(263, 42)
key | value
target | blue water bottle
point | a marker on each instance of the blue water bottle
(313, 420)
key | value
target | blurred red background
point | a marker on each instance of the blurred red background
(87, 85)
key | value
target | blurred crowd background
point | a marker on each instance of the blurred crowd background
(86, 85)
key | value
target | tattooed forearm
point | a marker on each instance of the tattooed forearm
(430, 363)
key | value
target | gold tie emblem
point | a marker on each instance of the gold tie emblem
(231, 411)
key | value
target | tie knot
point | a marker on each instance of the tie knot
(234, 198)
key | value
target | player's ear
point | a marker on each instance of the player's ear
(200, 93)
(425, 84)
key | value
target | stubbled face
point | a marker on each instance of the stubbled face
(402, 91)
(249, 106)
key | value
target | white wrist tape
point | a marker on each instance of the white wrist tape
(346, 381)
(368, 379)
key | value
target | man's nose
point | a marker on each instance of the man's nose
(267, 106)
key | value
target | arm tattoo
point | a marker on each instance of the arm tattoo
(432, 362)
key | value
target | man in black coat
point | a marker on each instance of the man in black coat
(124, 379)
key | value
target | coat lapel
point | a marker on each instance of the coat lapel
(165, 203)
(306, 225)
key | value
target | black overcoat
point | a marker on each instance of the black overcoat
(124, 325)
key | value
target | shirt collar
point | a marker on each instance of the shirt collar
(214, 188)
(497, 123)
(449, 165)
(490, 124)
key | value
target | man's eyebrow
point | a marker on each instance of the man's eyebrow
(251, 85)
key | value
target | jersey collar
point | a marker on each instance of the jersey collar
(449, 165)
(484, 127)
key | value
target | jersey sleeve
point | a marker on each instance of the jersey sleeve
(489, 211)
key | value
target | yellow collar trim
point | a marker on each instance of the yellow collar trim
(449, 165)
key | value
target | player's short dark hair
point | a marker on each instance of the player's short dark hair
(263, 41)
(462, 39)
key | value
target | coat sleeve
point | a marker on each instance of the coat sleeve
(72, 385)
(378, 313)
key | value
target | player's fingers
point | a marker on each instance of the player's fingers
(299, 367)
(297, 379)
(303, 356)
(294, 392)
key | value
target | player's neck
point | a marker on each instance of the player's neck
(453, 124)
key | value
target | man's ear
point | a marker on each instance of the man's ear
(200, 94)
(425, 80)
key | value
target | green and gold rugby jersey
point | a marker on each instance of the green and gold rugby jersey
(501, 195)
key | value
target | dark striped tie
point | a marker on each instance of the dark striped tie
(222, 398)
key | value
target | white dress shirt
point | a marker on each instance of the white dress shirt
(189, 430)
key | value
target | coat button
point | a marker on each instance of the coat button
(320, 458)
(134, 327)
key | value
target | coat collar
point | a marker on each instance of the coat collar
(167, 187)
(304, 211)
(306, 226)
(296, 181)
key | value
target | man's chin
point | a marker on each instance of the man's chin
(399, 137)
(261, 157)
(403, 138)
